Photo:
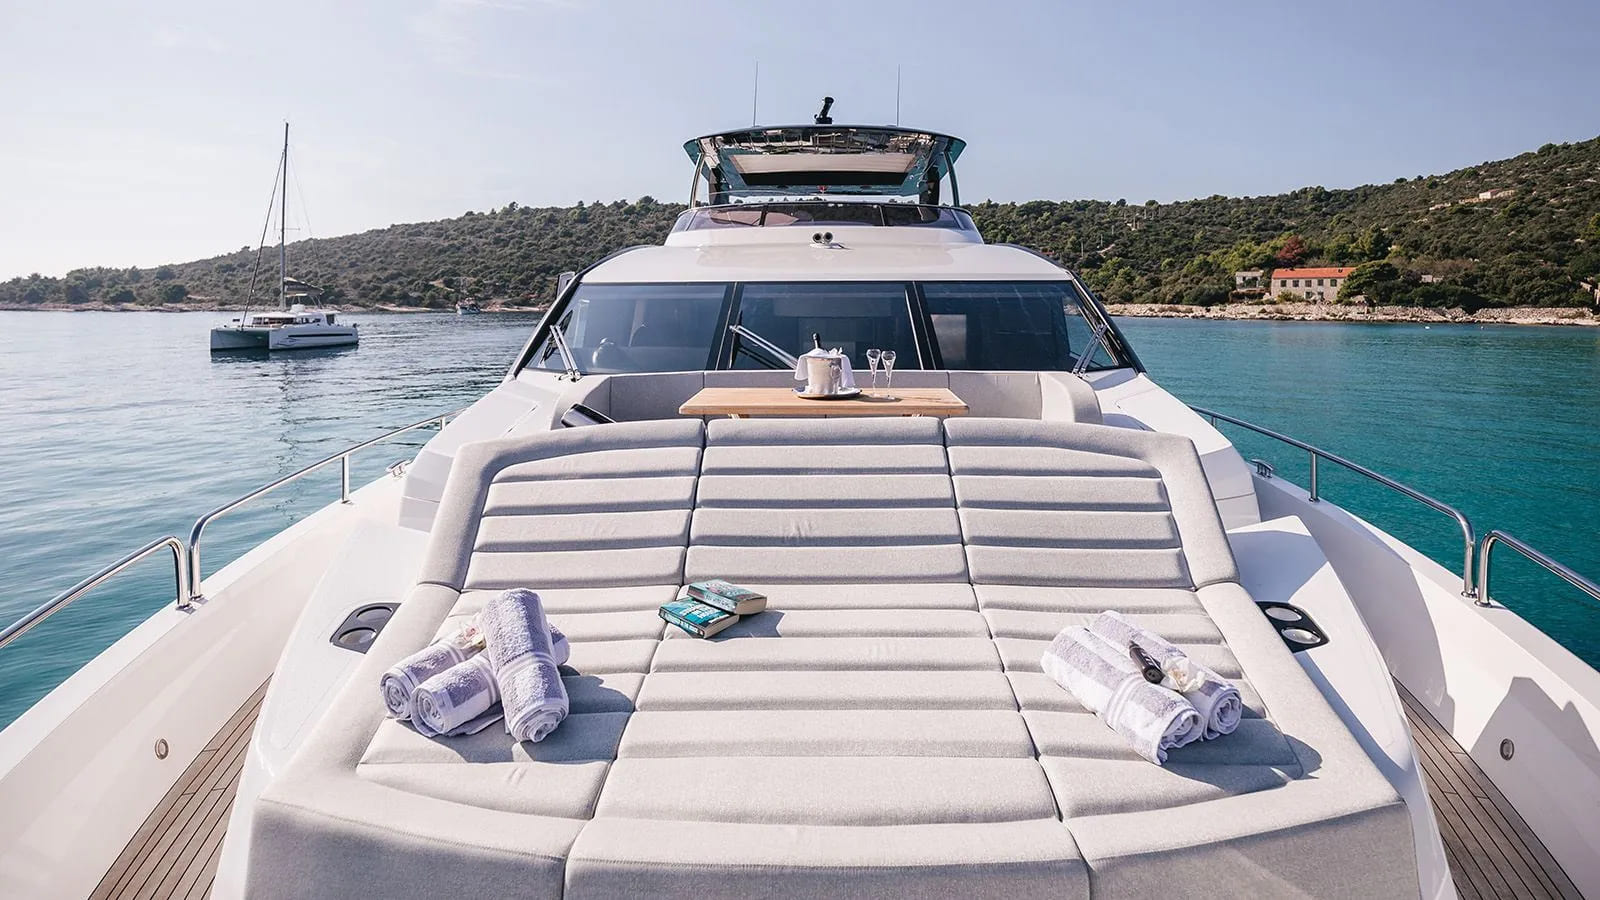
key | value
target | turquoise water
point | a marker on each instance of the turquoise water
(120, 427)
(1502, 422)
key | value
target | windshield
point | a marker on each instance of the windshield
(980, 325)
(812, 212)
(639, 328)
(1018, 326)
(854, 317)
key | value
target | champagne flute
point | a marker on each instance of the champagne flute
(872, 363)
(888, 373)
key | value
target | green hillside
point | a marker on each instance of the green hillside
(1533, 244)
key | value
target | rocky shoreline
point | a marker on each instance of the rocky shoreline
(1273, 312)
(1327, 312)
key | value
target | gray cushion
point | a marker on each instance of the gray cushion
(1009, 395)
(1065, 397)
(788, 501)
(882, 730)
(1076, 532)
(525, 539)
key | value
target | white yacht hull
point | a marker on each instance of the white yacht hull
(79, 775)
(287, 337)
(79, 771)
(236, 338)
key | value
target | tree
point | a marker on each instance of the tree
(1374, 244)
(1208, 294)
(174, 293)
(123, 295)
(1292, 251)
(1379, 282)
(165, 273)
(1341, 249)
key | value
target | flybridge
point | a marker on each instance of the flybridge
(824, 160)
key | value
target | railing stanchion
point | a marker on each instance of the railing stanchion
(64, 599)
(1469, 588)
(343, 458)
(1550, 565)
(186, 557)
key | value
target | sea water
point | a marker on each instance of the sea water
(121, 427)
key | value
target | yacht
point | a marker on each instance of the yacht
(292, 326)
(468, 307)
(884, 728)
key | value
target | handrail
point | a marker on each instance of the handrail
(1468, 536)
(343, 458)
(65, 598)
(1558, 569)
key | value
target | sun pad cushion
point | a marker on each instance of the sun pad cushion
(882, 730)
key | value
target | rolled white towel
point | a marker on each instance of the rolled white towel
(1151, 718)
(1214, 697)
(520, 649)
(402, 679)
(400, 682)
(459, 700)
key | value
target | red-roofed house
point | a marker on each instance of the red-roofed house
(1313, 284)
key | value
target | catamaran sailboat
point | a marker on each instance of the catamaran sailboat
(884, 728)
(291, 326)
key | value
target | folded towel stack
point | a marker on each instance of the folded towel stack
(451, 686)
(519, 647)
(1097, 664)
(707, 607)
(1214, 697)
(1151, 718)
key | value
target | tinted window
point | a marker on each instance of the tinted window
(726, 217)
(1027, 325)
(854, 317)
(639, 328)
(823, 214)
(927, 216)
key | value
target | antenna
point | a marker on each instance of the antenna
(897, 93)
(822, 118)
(755, 93)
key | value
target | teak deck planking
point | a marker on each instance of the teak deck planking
(174, 853)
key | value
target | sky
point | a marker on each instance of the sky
(145, 133)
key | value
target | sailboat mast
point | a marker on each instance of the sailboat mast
(283, 227)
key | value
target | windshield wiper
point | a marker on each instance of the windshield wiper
(570, 363)
(788, 359)
(1097, 336)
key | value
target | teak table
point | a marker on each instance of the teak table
(739, 402)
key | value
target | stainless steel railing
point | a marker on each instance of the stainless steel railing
(186, 557)
(1559, 570)
(1468, 536)
(65, 598)
(342, 458)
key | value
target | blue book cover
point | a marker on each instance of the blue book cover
(696, 618)
(728, 597)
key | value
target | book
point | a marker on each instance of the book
(697, 618)
(728, 597)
